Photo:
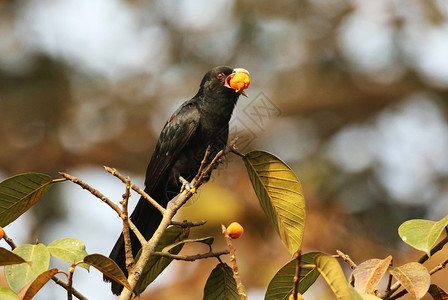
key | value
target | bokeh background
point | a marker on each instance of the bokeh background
(352, 94)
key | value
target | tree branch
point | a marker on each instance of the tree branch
(153, 202)
(126, 236)
(148, 248)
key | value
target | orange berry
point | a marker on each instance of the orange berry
(239, 81)
(2, 233)
(235, 230)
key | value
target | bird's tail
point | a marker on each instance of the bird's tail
(146, 218)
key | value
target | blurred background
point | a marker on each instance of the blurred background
(351, 94)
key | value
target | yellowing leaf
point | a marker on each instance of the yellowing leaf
(369, 273)
(414, 277)
(330, 269)
(280, 195)
(37, 284)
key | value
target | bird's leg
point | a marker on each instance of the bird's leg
(186, 185)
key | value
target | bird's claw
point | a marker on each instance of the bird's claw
(186, 185)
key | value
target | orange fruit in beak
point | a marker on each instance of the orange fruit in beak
(239, 81)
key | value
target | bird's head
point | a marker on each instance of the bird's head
(226, 80)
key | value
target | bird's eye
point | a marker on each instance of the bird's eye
(220, 76)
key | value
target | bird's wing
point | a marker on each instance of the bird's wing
(174, 136)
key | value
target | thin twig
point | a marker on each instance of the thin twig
(126, 236)
(234, 150)
(186, 224)
(295, 287)
(236, 274)
(190, 257)
(153, 202)
(347, 259)
(203, 163)
(74, 292)
(103, 198)
(9, 241)
(439, 267)
(350, 262)
(208, 169)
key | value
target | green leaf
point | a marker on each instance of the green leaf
(220, 284)
(156, 264)
(19, 193)
(30, 291)
(414, 277)
(369, 273)
(280, 195)
(281, 284)
(7, 294)
(422, 234)
(9, 258)
(206, 240)
(330, 269)
(70, 250)
(108, 267)
(437, 293)
(20, 275)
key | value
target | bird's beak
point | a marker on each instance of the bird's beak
(239, 80)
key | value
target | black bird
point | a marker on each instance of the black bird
(196, 124)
